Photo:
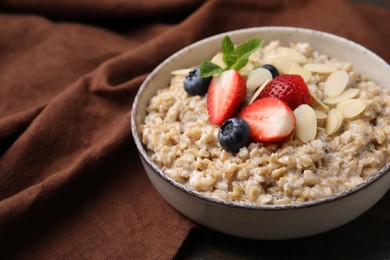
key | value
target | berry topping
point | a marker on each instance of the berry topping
(270, 119)
(224, 96)
(274, 71)
(194, 84)
(291, 89)
(234, 134)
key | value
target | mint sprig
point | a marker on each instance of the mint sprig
(234, 57)
(229, 56)
(208, 69)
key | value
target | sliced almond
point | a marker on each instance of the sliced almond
(284, 64)
(217, 59)
(333, 121)
(304, 73)
(258, 91)
(351, 107)
(294, 55)
(319, 68)
(320, 114)
(347, 94)
(306, 123)
(181, 72)
(257, 77)
(247, 69)
(336, 83)
(320, 103)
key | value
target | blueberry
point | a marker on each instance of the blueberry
(234, 134)
(195, 84)
(274, 71)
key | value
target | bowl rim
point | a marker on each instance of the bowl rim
(241, 205)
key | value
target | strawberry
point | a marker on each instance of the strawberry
(224, 96)
(270, 119)
(292, 89)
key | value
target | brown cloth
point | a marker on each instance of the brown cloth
(71, 182)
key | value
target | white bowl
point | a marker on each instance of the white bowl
(271, 221)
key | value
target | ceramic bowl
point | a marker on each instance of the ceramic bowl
(270, 221)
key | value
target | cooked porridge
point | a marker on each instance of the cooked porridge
(351, 139)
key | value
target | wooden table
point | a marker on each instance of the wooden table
(367, 237)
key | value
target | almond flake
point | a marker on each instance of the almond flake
(257, 77)
(217, 59)
(319, 102)
(306, 123)
(246, 69)
(351, 107)
(284, 64)
(320, 114)
(258, 91)
(347, 94)
(294, 55)
(336, 83)
(305, 74)
(333, 121)
(319, 68)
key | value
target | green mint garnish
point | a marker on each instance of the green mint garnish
(234, 57)
(208, 69)
(229, 56)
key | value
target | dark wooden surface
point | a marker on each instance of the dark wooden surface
(381, 3)
(366, 238)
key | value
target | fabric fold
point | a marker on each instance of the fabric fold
(71, 182)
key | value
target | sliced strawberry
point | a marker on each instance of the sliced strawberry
(292, 89)
(270, 119)
(224, 96)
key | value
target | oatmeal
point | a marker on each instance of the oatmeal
(344, 141)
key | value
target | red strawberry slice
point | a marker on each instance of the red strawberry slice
(270, 119)
(224, 96)
(292, 89)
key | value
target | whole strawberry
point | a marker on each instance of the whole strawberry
(289, 88)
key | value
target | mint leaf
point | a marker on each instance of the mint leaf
(229, 57)
(241, 62)
(248, 46)
(227, 45)
(243, 51)
(208, 69)
(234, 57)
